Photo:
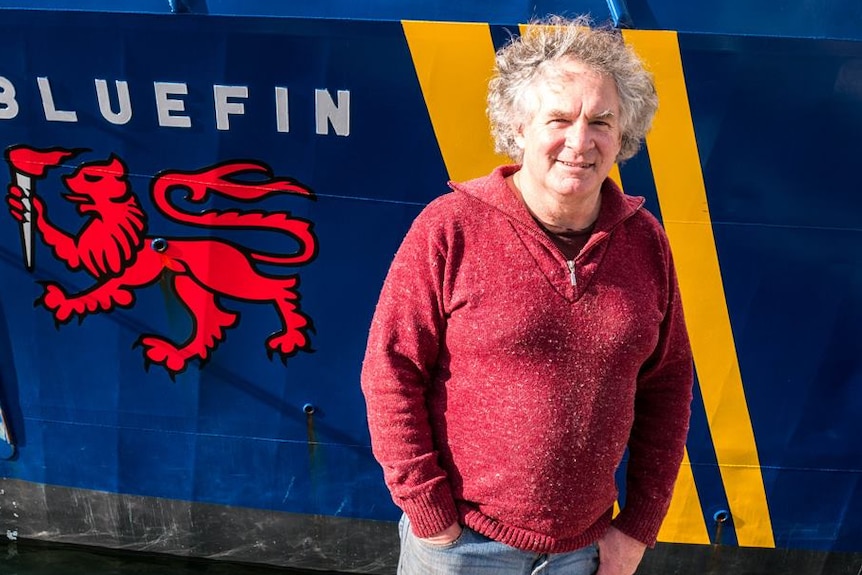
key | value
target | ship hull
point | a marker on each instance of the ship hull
(269, 162)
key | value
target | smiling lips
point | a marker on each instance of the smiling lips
(579, 165)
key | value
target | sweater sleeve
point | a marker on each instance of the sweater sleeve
(400, 359)
(662, 412)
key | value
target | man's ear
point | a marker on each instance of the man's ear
(519, 136)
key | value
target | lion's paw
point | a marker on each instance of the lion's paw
(58, 302)
(286, 344)
(162, 352)
(65, 306)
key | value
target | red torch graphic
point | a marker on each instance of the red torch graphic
(27, 165)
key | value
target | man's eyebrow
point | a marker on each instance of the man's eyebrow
(603, 115)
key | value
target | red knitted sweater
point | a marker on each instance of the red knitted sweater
(502, 396)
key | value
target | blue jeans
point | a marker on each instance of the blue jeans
(475, 554)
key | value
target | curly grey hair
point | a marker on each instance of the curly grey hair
(524, 60)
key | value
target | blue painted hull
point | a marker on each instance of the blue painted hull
(341, 106)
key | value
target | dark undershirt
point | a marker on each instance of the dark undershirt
(570, 242)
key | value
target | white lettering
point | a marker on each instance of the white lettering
(282, 116)
(326, 112)
(125, 113)
(224, 108)
(331, 108)
(165, 105)
(8, 103)
(52, 114)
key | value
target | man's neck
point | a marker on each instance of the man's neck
(556, 215)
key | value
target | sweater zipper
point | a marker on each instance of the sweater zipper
(572, 277)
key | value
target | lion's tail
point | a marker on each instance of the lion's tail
(257, 182)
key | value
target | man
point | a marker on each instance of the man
(530, 329)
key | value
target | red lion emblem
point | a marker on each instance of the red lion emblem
(112, 246)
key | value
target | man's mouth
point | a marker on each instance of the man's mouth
(578, 165)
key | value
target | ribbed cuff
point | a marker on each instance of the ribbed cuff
(431, 513)
(641, 523)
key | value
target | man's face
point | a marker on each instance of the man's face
(572, 134)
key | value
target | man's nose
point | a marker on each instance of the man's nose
(578, 136)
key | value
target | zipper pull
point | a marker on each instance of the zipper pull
(572, 277)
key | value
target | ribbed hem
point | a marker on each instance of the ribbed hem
(531, 541)
(431, 513)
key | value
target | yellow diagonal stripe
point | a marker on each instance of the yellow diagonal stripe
(685, 522)
(615, 175)
(685, 213)
(454, 62)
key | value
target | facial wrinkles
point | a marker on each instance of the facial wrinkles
(570, 139)
(595, 125)
(569, 136)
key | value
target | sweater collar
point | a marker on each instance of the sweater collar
(495, 192)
